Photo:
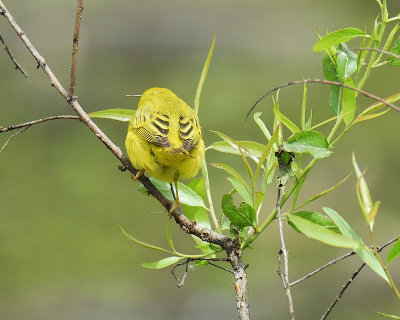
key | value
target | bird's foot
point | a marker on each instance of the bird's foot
(175, 205)
(137, 175)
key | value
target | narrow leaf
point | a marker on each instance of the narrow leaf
(241, 189)
(186, 195)
(347, 64)
(232, 172)
(262, 125)
(348, 102)
(319, 195)
(396, 50)
(394, 252)
(285, 120)
(316, 218)
(311, 142)
(162, 263)
(362, 189)
(335, 103)
(320, 233)
(203, 76)
(144, 244)
(391, 316)
(365, 254)
(113, 114)
(336, 37)
(268, 151)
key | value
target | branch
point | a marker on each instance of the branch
(228, 244)
(285, 276)
(75, 47)
(333, 262)
(33, 122)
(186, 264)
(335, 83)
(13, 136)
(16, 64)
(347, 284)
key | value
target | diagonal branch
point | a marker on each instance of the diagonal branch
(349, 254)
(347, 284)
(16, 64)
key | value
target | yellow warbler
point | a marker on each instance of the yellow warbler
(164, 138)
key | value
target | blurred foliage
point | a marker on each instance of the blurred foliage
(62, 253)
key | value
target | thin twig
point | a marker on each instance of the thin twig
(392, 54)
(188, 260)
(333, 262)
(33, 122)
(13, 136)
(326, 82)
(341, 292)
(16, 64)
(283, 251)
(227, 243)
(75, 48)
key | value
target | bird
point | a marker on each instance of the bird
(164, 139)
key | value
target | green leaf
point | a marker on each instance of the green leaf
(232, 172)
(329, 68)
(307, 126)
(346, 64)
(363, 195)
(393, 61)
(162, 263)
(337, 37)
(203, 76)
(268, 152)
(262, 125)
(316, 218)
(285, 120)
(186, 195)
(311, 142)
(114, 114)
(365, 254)
(251, 149)
(198, 214)
(241, 189)
(334, 99)
(242, 216)
(319, 195)
(348, 102)
(321, 233)
(259, 199)
(388, 315)
(144, 244)
(394, 252)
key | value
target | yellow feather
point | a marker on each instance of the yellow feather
(164, 137)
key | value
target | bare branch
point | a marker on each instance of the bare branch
(33, 122)
(285, 276)
(186, 264)
(75, 47)
(392, 54)
(341, 292)
(333, 262)
(325, 82)
(16, 64)
(13, 136)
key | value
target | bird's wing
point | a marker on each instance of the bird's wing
(152, 127)
(189, 131)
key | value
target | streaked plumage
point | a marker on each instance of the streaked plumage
(164, 137)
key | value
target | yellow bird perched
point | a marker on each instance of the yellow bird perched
(164, 138)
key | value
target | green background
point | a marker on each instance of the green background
(62, 254)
